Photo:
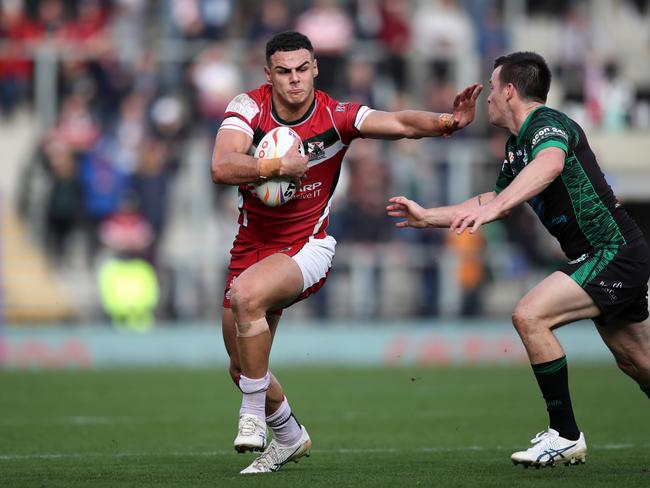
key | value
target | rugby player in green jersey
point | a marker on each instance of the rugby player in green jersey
(549, 164)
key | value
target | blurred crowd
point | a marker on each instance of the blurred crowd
(139, 81)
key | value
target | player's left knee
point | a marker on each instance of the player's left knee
(245, 300)
(635, 366)
(526, 321)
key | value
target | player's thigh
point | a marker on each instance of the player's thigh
(557, 300)
(270, 283)
(629, 342)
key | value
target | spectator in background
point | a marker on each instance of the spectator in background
(127, 282)
(89, 27)
(216, 80)
(492, 36)
(150, 184)
(362, 221)
(126, 231)
(103, 185)
(617, 98)
(272, 18)
(169, 122)
(331, 32)
(63, 201)
(76, 127)
(201, 19)
(360, 75)
(443, 34)
(574, 37)
(421, 172)
(17, 33)
(128, 30)
(470, 272)
(53, 21)
(363, 215)
(395, 37)
(146, 76)
(129, 131)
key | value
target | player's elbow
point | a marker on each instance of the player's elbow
(217, 171)
(557, 167)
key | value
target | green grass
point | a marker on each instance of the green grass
(370, 427)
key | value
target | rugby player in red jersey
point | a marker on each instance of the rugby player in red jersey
(288, 245)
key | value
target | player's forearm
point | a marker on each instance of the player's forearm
(237, 168)
(444, 216)
(419, 124)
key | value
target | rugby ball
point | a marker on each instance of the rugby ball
(277, 191)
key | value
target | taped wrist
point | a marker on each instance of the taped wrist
(446, 124)
(268, 168)
(252, 329)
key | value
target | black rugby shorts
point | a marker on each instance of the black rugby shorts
(616, 278)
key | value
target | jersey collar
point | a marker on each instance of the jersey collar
(281, 121)
(523, 127)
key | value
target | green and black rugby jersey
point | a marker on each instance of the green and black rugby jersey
(579, 207)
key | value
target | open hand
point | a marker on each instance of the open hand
(402, 207)
(465, 105)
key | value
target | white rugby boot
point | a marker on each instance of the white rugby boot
(251, 434)
(550, 449)
(275, 456)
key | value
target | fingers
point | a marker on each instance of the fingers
(398, 209)
(400, 199)
(463, 225)
(463, 222)
(477, 91)
(455, 222)
(470, 93)
(295, 149)
(400, 214)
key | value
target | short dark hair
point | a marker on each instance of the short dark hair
(528, 72)
(287, 41)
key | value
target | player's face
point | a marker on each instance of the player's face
(292, 73)
(497, 100)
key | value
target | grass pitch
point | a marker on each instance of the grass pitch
(373, 427)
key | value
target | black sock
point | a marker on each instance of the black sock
(646, 391)
(553, 380)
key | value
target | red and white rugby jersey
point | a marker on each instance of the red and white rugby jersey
(327, 129)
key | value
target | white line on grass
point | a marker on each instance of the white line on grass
(224, 452)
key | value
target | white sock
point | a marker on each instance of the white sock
(286, 429)
(254, 395)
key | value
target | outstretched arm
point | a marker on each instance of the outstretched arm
(420, 218)
(414, 124)
(487, 207)
(531, 181)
